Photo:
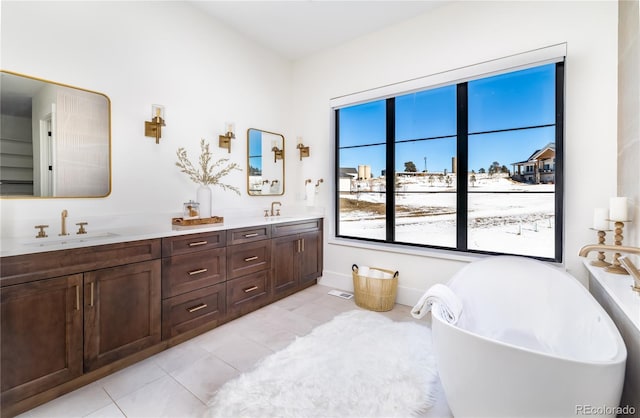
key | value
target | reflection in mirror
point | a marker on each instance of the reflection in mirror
(55, 140)
(265, 176)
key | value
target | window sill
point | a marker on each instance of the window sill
(406, 250)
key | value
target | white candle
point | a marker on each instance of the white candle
(600, 216)
(618, 209)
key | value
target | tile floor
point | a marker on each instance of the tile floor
(180, 381)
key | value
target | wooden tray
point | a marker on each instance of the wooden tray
(199, 221)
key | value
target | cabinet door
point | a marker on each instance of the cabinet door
(310, 257)
(284, 262)
(121, 312)
(41, 336)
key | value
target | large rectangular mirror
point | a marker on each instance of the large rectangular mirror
(55, 140)
(265, 159)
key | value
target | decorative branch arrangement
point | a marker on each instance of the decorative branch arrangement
(205, 174)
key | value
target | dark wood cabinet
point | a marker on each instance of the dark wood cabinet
(193, 282)
(285, 265)
(41, 336)
(71, 316)
(248, 270)
(121, 312)
(247, 293)
(296, 256)
(193, 271)
(71, 311)
(310, 258)
(194, 309)
(251, 257)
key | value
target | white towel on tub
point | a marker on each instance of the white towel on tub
(443, 298)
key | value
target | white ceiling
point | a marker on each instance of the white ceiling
(298, 28)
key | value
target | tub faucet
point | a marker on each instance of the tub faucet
(63, 223)
(602, 247)
(633, 271)
(277, 213)
(624, 261)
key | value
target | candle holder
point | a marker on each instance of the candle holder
(600, 262)
(615, 266)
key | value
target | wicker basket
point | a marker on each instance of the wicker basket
(375, 294)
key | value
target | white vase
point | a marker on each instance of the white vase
(204, 198)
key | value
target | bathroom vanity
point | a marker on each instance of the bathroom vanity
(71, 316)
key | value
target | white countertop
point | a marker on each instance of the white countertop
(118, 233)
(618, 287)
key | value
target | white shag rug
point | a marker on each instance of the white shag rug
(360, 364)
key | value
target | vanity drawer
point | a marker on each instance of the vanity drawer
(291, 228)
(248, 258)
(184, 273)
(191, 310)
(247, 293)
(192, 243)
(254, 233)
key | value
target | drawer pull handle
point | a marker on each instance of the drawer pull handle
(77, 298)
(197, 243)
(197, 308)
(254, 234)
(255, 257)
(91, 291)
(191, 273)
(250, 289)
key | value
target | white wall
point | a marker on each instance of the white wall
(139, 54)
(453, 36)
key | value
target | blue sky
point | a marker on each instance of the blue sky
(513, 100)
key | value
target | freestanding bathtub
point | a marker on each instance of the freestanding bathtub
(530, 342)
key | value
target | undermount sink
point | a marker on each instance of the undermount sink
(68, 239)
(278, 218)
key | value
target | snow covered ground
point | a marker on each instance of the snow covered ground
(509, 221)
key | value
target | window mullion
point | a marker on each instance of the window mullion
(462, 123)
(390, 170)
(559, 167)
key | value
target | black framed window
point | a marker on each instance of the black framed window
(399, 165)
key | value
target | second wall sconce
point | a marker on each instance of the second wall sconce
(224, 141)
(153, 128)
(304, 150)
(278, 154)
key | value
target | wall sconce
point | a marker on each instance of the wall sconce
(304, 151)
(153, 128)
(224, 141)
(278, 154)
